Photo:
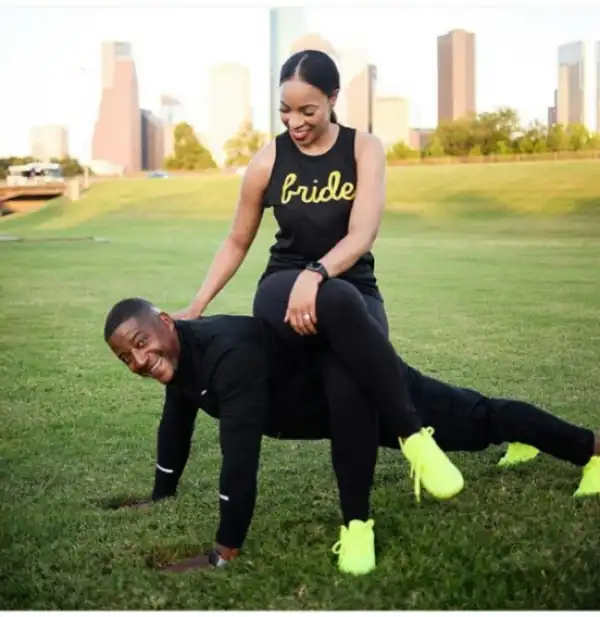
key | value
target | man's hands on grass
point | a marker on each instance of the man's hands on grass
(219, 556)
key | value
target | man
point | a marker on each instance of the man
(237, 370)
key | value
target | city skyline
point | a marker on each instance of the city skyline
(392, 73)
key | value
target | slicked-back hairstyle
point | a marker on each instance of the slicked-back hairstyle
(315, 68)
(127, 309)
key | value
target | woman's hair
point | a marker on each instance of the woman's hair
(315, 68)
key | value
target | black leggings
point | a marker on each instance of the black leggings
(356, 338)
(356, 330)
(354, 429)
(466, 420)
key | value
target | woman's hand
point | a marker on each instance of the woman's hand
(186, 314)
(301, 312)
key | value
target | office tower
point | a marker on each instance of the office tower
(169, 115)
(420, 138)
(286, 25)
(360, 98)
(152, 131)
(355, 105)
(49, 142)
(456, 75)
(552, 111)
(117, 133)
(578, 82)
(313, 41)
(391, 120)
(229, 106)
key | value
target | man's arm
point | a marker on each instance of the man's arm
(240, 382)
(173, 443)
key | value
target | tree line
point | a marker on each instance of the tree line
(485, 134)
(70, 166)
(495, 134)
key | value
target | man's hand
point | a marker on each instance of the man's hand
(139, 505)
(217, 557)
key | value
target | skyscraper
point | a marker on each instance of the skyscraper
(578, 83)
(152, 135)
(229, 106)
(286, 25)
(598, 86)
(117, 133)
(355, 106)
(169, 111)
(313, 41)
(552, 111)
(456, 75)
(391, 120)
(49, 142)
(360, 98)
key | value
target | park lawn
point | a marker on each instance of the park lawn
(504, 299)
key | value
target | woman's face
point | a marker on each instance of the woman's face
(305, 111)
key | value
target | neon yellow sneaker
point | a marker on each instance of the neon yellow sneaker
(590, 481)
(518, 453)
(431, 466)
(356, 547)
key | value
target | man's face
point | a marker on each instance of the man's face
(149, 346)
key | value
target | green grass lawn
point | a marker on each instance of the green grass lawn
(490, 275)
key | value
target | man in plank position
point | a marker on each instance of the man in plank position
(237, 370)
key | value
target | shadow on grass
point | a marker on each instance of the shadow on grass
(116, 502)
(160, 557)
(473, 205)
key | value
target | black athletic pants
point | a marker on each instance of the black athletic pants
(466, 420)
(352, 347)
(351, 326)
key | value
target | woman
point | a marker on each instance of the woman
(326, 185)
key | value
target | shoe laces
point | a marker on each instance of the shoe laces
(359, 534)
(417, 465)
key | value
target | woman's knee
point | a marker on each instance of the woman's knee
(272, 295)
(336, 296)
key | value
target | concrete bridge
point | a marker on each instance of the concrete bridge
(32, 197)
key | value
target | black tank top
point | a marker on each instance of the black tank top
(312, 197)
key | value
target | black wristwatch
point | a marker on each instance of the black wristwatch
(317, 266)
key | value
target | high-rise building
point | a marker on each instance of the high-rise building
(313, 41)
(169, 115)
(229, 107)
(286, 25)
(456, 75)
(420, 138)
(578, 83)
(117, 133)
(598, 86)
(391, 120)
(49, 142)
(152, 131)
(552, 111)
(360, 98)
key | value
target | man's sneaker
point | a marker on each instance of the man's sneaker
(356, 547)
(590, 480)
(431, 466)
(517, 453)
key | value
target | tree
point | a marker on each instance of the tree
(70, 167)
(434, 148)
(401, 152)
(5, 163)
(578, 136)
(188, 152)
(240, 148)
(557, 139)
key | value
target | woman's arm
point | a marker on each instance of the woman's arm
(367, 209)
(246, 222)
